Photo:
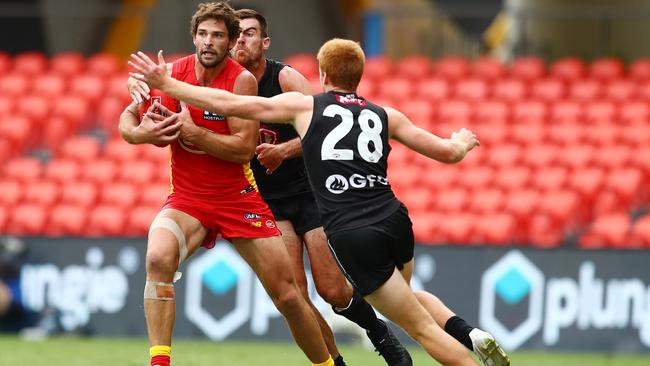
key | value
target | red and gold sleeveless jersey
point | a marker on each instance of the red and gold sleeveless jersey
(193, 171)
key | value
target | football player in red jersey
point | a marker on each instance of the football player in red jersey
(213, 190)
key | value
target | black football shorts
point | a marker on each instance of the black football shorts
(300, 210)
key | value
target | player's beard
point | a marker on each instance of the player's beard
(248, 59)
(218, 59)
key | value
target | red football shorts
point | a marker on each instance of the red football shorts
(243, 216)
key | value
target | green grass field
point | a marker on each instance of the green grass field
(133, 352)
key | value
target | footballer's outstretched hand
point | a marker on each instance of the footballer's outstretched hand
(148, 71)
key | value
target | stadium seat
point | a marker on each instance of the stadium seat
(588, 182)
(488, 68)
(105, 220)
(527, 134)
(613, 156)
(99, 171)
(512, 178)
(490, 134)
(26, 219)
(103, 65)
(49, 85)
(4, 218)
(607, 69)
(402, 178)
(550, 178)
(585, 90)
(367, 89)
(632, 111)
(44, 193)
(540, 155)
(566, 111)
(455, 111)
(419, 112)
(80, 148)
(620, 90)
(425, 227)
(577, 156)
(12, 192)
(414, 67)
(35, 108)
(139, 173)
(417, 198)
(67, 64)
(67, 220)
(610, 230)
(376, 68)
(395, 88)
(626, 183)
(7, 150)
(123, 195)
(23, 169)
(116, 87)
(451, 200)
(640, 69)
(440, 177)
(18, 131)
(457, 228)
(471, 89)
(139, 220)
(569, 69)
(522, 204)
(486, 200)
(492, 111)
(477, 178)
(14, 86)
(153, 195)
(549, 90)
(504, 155)
(305, 63)
(432, 89)
(452, 68)
(641, 231)
(62, 171)
(635, 136)
(603, 135)
(495, 229)
(566, 134)
(604, 112)
(55, 131)
(82, 194)
(543, 232)
(529, 111)
(530, 68)
(121, 152)
(30, 64)
(6, 63)
(7, 106)
(74, 109)
(562, 207)
(511, 90)
(88, 86)
(108, 114)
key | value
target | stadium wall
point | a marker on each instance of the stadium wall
(562, 299)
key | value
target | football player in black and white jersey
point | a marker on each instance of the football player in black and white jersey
(344, 141)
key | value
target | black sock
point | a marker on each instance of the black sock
(459, 329)
(361, 313)
(339, 361)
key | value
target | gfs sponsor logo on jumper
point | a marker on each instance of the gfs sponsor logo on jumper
(350, 99)
(338, 184)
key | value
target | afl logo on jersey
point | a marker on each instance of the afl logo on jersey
(209, 116)
(336, 184)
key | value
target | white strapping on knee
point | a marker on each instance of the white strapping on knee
(159, 290)
(171, 225)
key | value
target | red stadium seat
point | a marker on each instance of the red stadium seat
(634, 111)
(30, 64)
(488, 200)
(18, 131)
(471, 89)
(550, 178)
(6, 63)
(550, 90)
(56, 131)
(457, 228)
(305, 63)
(68, 64)
(99, 172)
(432, 89)
(42, 192)
(455, 111)
(35, 108)
(14, 86)
(512, 178)
(543, 232)
(367, 89)
(587, 182)
(7, 151)
(414, 67)
(609, 230)
(635, 136)
(116, 87)
(620, 90)
(103, 65)
(425, 226)
(442, 177)
(395, 88)
(4, 218)
(27, 219)
(640, 69)
(601, 112)
(527, 134)
(49, 85)
(492, 111)
(613, 156)
(570, 69)
(62, 171)
(83, 194)
(108, 114)
(566, 134)
(490, 134)
(12, 192)
(602, 134)
(561, 206)
(137, 172)
(529, 111)
(451, 200)
(540, 155)
(577, 156)
(377, 68)
(23, 169)
(88, 86)
(585, 90)
(401, 178)
(139, 220)
(529, 68)
(74, 109)
(417, 198)
(488, 68)
(641, 231)
(495, 229)
(153, 195)
(122, 195)
(626, 183)
(7, 106)
(67, 220)
(80, 148)
(512, 90)
(121, 152)
(105, 220)
(607, 69)
(419, 112)
(452, 68)
(477, 178)
(504, 155)
(522, 204)
(566, 111)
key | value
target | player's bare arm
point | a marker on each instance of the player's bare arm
(139, 90)
(269, 155)
(153, 129)
(451, 150)
(294, 108)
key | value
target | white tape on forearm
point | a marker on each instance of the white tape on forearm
(171, 225)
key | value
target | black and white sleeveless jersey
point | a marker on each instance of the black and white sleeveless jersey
(290, 178)
(346, 151)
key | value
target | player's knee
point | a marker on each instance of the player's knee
(288, 300)
(335, 295)
(161, 261)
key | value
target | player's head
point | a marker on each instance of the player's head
(341, 64)
(253, 40)
(215, 28)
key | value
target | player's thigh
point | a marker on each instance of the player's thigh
(172, 228)
(294, 245)
(326, 272)
(407, 271)
(269, 260)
